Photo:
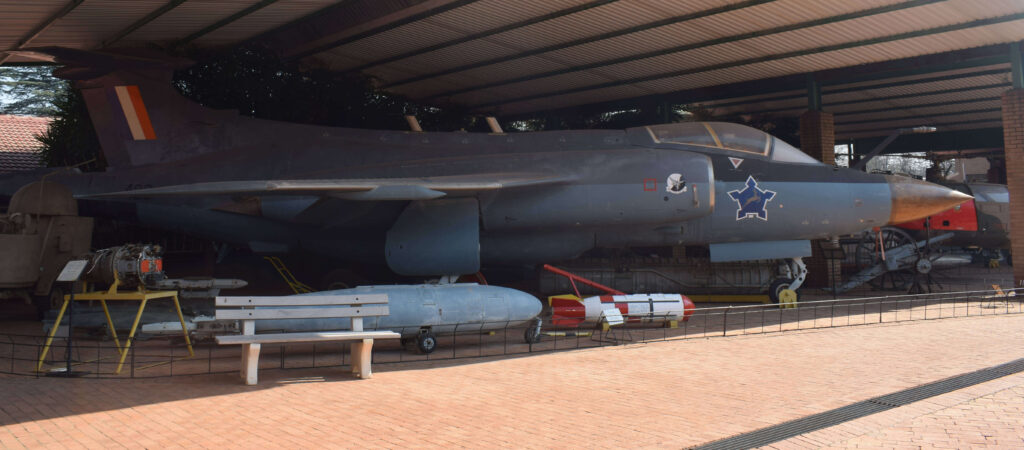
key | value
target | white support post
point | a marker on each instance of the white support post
(250, 354)
(250, 363)
(355, 349)
(362, 352)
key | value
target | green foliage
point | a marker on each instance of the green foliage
(257, 83)
(71, 139)
(28, 90)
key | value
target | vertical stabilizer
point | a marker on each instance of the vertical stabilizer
(140, 118)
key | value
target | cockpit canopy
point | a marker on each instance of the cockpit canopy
(729, 137)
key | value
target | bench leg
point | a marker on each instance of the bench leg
(250, 363)
(362, 351)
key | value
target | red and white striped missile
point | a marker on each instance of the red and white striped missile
(634, 308)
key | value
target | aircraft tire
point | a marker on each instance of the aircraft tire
(532, 334)
(426, 343)
(776, 288)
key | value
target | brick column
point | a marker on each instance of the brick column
(1013, 147)
(818, 136)
(818, 139)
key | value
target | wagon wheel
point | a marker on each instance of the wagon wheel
(869, 253)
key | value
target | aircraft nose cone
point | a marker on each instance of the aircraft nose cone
(915, 199)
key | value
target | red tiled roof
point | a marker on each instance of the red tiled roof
(19, 149)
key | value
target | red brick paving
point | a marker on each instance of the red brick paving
(986, 415)
(665, 394)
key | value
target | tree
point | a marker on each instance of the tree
(257, 83)
(29, 90)
(71, 140)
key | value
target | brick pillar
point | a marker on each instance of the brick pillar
(818, 139)
(818, 136)
(1013, 147)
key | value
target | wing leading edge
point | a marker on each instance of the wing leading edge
(367, 189)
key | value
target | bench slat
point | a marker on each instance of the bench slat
(306, 337)
(302, 300)
(301, 313)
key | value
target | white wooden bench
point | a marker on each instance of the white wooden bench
(250, 309)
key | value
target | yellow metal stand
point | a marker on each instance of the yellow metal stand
(141, 295)
(297, 286)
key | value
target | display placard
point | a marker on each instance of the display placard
(72, 270)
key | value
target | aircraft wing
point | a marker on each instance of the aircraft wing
(369, 189)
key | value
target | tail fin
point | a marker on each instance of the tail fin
(138, 115)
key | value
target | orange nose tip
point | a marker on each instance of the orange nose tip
(915, 199)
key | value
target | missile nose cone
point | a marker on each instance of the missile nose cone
(915, 199)
(524, 306)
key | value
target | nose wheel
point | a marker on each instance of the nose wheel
(426, 342)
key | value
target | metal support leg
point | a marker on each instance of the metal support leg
(131, 335)
(184, 329)
(799, 269)
(110, 326)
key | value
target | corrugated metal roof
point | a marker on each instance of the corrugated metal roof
(275, 15)
(531, 67)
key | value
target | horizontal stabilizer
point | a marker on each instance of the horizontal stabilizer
(367, 189)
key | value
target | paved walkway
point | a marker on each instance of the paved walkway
(666, 394)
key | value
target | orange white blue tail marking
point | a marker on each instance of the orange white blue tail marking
(135, 112)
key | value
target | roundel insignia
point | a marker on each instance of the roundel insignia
(675, 184)
(751, 200)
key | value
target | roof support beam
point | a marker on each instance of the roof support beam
(922, 105)
(949, 140)
(223, 22)
(768, 58)
(891, 97)
(920, 116)
(142, 22)
(879, 86)
(587, 40)
(484, 34)
(39, 29)
(683, 48)
(792, 86)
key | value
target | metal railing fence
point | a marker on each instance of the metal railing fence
(158, 357)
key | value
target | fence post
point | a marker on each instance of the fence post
(832, 315)
(455, 332)
(725, 320)
(131, 370)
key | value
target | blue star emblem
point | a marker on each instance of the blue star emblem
(752, 200)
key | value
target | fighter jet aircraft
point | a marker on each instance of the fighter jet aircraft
(446, 203)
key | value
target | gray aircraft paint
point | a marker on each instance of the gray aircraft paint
(468, 306)
(541, 196)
